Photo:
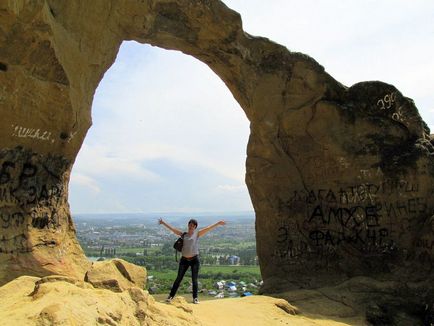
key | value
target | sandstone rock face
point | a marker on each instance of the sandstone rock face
(56, 300)
(341, 178)
(365, 301)
(116, 274)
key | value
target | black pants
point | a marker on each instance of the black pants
(183, 266)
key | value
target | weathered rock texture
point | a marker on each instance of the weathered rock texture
(59, 300)
(365, 301)
(116, 275)
(341, 178)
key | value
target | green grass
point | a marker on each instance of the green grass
(230, 269)
(228, 244)
(166, 275)
(120, 251)
(222, 269)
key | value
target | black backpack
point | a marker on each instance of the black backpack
(178, 245)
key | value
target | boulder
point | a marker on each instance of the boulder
(116, 275)
(59, 300)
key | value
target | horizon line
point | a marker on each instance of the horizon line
(166, 212)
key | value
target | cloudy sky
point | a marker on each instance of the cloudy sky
(167, 135)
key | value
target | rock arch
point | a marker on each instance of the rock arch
(341, 178)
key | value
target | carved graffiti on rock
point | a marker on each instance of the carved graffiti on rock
(5, 172)
(8, 220)
(6, 197)
(32, 133)
(370, 218)
(29, 185)
(31, 192)
(361, 193)
(17, 243)
(387, 101)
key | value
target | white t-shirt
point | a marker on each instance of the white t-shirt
(190, 247)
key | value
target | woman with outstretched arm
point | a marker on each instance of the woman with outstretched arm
(190, 254)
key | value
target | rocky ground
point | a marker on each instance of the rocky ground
(58, 300)
(111, 293)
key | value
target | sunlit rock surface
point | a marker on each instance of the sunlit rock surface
(57, 300)
(341, 178)
(116, 275)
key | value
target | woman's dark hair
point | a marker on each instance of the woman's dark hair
(193, 221)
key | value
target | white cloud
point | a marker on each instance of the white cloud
(101, 161)
(176, 108)
(85, 181)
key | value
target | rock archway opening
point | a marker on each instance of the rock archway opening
(166, 136)
(167, 140)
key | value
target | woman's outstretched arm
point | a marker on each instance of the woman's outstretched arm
(171, 228)
(210, 227)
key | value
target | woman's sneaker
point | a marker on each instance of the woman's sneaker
(196, 301)
(169, 299)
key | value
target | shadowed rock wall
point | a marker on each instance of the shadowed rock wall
(341, 178)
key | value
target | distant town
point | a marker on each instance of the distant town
(229, 264)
